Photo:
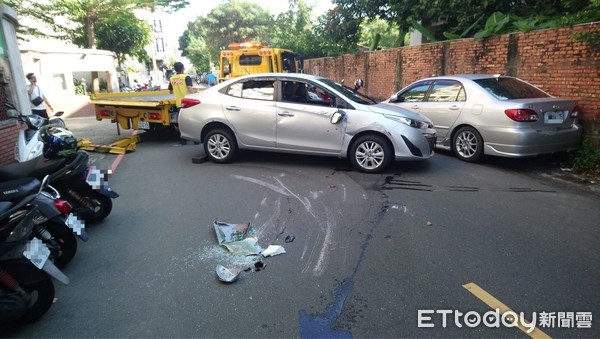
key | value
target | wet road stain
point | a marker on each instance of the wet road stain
(321, 325)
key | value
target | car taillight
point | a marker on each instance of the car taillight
(154, 116)
(105, 113)
(575, 112)
(63, 206)
(522, 115)
(188, 102)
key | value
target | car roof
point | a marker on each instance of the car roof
(467, 76)
(291, 75)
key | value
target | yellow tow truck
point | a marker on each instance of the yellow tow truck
(146, 110)
(243, 58)
(135, 110)
(151, 110)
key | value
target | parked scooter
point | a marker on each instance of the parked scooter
(28, 145)
(26, 290)
(51, 225)
(69, 173)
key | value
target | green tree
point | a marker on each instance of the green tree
(335, 33)
(123, 33)
(80, 15)
(455, 17)
(292, 28)
(388, 33)
(199, 54)
(233, 21)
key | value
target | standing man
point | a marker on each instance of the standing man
(37, 98)
(212, 79)
(180, 84)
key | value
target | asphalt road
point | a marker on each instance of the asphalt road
(369, 253)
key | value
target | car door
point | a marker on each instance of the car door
(249, 106)
(444, 104)
(412, 97)
(304, 113)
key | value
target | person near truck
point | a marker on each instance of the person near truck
(37, 98)
(212, 79)
(180, 84)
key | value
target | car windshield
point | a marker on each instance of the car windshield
(510, 88)
(349, 93)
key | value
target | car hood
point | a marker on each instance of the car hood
(385, 108)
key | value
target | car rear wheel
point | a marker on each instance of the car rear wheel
(220, 145)
(467, 144)
(371, 154)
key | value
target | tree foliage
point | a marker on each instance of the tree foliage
(233, 21)
(464, 17)
(122, 33)
(66, 19)
(292, 28)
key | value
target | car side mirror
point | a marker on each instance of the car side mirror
(337, 117)
(12, 113)
(396, 98)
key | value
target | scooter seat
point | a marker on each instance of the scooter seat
(37, 167)
(5, 206)
(14, 190)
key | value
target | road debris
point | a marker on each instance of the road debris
(227, 274)
(272, 250)
(237, 238)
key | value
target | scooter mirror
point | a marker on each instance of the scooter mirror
(12, 113)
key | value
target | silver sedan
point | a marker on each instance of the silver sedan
(491, 114)
(303, 114)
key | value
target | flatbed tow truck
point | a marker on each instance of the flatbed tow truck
(152, 110)
(146, 110)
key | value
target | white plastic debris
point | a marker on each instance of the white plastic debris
(227, 274)
(272, 250)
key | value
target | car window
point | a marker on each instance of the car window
(447, 90)
(510, 88)
(305, 93)
(253, 89)
(348, 92)
(415, 93)
(319, 96)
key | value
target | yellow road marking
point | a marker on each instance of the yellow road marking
(494, 303)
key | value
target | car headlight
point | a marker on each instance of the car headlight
(410, 122)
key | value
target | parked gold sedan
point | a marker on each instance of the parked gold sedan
(479, 114)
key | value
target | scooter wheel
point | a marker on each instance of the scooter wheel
(36, 283)
(101, 207)
(62, 245)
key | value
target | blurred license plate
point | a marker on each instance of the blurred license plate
(37, 252)
(554, 117)
(143, 125)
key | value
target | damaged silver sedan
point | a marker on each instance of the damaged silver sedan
(303, 114)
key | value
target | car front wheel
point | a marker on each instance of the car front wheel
(371, 154)
(468, 144)
(220, 146)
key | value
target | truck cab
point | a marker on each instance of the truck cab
(254, 57)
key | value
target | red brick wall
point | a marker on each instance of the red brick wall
(550, 59)
(9, 131)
